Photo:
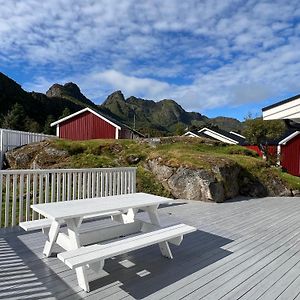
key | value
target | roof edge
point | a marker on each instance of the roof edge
(281, 102)
(288, 138)
(190, 132)
(219, 134)
(233, 132)
(82, 111)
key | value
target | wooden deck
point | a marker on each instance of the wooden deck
(247, 249)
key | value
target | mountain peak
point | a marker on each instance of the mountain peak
(114, 97)
(163, 115)
(69, 91)
(72, 87)
(58, 90)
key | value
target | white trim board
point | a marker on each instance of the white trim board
(237, 134)
(218, 136)
(288, 138)
(82, 111)
(190, 134)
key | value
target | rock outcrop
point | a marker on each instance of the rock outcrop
(35, 156)
(200, 184)
(217, 184)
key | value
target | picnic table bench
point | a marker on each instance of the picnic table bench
(45, 223)
(90, 249)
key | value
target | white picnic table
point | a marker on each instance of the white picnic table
(72, 213)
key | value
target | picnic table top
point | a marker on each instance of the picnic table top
(90, 206)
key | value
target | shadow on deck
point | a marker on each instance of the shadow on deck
(24, 273)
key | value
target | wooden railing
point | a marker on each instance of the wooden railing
(10, 139)
(21, 188)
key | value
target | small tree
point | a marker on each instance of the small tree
(15, 118)
(259, 132)
(179, 129)
(66, 112)
(31, 125)
(47, 129)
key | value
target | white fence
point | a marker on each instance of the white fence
(21, 188)
(10, 139)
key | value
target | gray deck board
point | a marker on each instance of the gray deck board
(216, 274)
(244, 249)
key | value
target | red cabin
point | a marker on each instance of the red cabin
(289, 152)
(272, 149)
(88, 124)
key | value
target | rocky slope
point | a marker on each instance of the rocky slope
(177, 167)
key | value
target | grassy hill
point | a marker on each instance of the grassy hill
(222, 164)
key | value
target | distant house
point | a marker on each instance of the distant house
(232, 138)
(289, 146)
(286, 149)
(88, 124)
(288, 110)
(219, 135)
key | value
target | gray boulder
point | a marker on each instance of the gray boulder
(34, 156)
(186, 183)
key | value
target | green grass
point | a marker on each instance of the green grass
(175, 152)
(292, 181)
(172, 151)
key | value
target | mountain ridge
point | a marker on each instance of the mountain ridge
(164, 115)
(32, 111)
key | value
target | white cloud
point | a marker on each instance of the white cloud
(40, 84)
(203, 54)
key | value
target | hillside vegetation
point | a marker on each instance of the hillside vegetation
(187, 168)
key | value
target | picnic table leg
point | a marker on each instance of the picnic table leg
(52, 235)
(164, 246)
(73, 225)
(126, 218)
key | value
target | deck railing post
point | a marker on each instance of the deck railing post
(21, 188)
(1, 149)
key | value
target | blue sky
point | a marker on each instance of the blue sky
(226, 58)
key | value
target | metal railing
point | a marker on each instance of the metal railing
(10, 139)
(21, 188)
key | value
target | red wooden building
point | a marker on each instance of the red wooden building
(287, 149)
(289, 153)
(88, 124)
(272, 149)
